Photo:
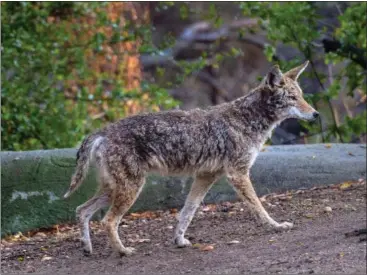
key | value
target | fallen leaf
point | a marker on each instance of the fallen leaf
(328, 146)
(272, 241)
(20, 259)
(206, 248)
(196, 245)
(345, 185)
(143, 240)
(173, 210)
(351, 154)
(309, 215)
(135, 215)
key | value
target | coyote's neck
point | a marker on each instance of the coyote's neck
(257, 117)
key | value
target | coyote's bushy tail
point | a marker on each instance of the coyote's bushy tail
(83, 158)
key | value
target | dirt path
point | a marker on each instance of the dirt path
(317, 244)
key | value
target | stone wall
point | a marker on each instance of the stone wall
(33, 182)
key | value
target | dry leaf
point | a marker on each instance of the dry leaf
(309, 215)
(143, 240)
(173, 210)
(345, 185)
(135, 215)
(21, 259)
(328, 146)
(206, 248)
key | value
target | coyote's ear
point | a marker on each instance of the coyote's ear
(274, 78)
(296, 72)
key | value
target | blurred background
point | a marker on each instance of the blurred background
(69, 68)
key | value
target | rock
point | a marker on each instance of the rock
(46, 258)
(40, 235)
(328, 209)
(234, 242)
(30, 269)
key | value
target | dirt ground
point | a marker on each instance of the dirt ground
(227, 240)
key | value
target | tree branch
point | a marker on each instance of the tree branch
(194, 40)
(216, 86)
(356, 54)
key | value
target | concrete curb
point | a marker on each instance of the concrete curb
(33, 182)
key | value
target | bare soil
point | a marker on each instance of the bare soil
(227, 240)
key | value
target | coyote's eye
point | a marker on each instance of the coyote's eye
(292, 97)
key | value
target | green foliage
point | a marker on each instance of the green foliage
(33, 64)
(39, 57)
(296, 24)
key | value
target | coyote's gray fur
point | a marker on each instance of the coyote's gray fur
(207, 143)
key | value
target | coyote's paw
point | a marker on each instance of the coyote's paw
(283, 226)
(87, 247)
(127, 251)
(182, 242)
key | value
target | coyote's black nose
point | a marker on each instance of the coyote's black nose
(315, 115)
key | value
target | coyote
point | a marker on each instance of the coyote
(206, 143)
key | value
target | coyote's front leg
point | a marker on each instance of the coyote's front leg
(199, 188)
(243, 186)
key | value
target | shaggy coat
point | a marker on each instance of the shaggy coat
(205, 143)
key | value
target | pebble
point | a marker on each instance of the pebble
(46, 258)
(234, 242)
(328, 209)
(30, 269)
(40, 235)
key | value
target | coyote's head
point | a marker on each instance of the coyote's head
(283, 94)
